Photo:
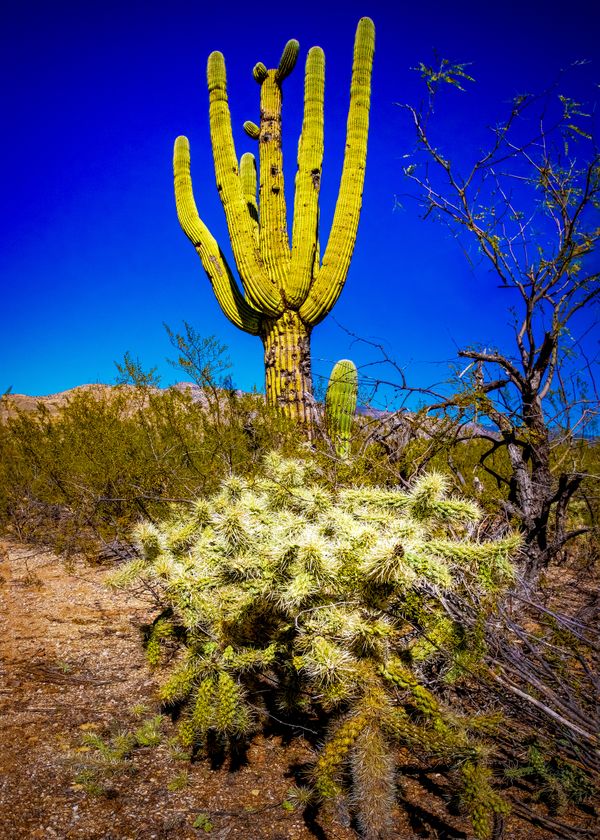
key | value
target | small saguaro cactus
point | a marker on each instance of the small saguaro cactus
(340, 405)
(287, 288)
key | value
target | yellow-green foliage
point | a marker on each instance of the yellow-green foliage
(559, 783)
(335, 754)
(161, 629)
(479, 798)
(287, 285)
(373, 782)
(312, 588)
(84, 473)
(106, 757)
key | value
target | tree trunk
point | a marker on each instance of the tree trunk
(288, 378)
(532, 485)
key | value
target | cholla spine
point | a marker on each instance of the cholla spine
(278, 577)
(203, 709)
(161, 629)
(373, 783)
(334, 754)
(479, 798)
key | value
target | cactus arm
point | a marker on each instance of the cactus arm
(308, 180)
(224, 286)
(259, 72)
(274, 245)
(340, 405)
(251, 129)
(260, 290)
(287, 61)
(248, 179)
(331, 277)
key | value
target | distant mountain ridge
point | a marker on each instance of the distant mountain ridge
(54, 402)
(26, 402)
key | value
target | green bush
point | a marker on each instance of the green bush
(327, 606)
(559, 783)
(84, 474)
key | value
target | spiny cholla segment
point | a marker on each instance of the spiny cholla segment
(336, 596)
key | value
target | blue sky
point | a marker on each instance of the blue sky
(93, 261)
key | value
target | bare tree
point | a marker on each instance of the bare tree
(529, 205)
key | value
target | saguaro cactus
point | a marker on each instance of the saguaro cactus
(340, 405)
(287, 289)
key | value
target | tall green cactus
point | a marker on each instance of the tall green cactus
(340, 405)
(287, 288)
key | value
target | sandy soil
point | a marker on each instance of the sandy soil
(71, 663)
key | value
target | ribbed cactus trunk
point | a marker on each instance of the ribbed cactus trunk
(288, 378)
(340, 405)
(288, 285)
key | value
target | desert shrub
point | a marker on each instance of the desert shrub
(81, 476)
(103, 758)
(327, 606)
(558, 783)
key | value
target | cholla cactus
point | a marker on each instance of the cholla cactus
(340, 405)
(287, 287)
(331, 595)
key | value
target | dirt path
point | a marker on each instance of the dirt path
(71, 663)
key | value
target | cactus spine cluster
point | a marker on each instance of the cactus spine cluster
(287, 288)
(340, 405)
(327, 593)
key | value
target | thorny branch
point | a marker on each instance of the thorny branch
(531, 208)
